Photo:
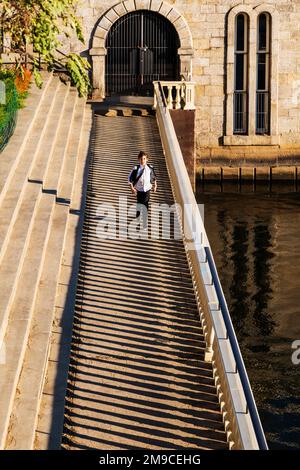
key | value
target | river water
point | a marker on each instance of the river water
(255, 238)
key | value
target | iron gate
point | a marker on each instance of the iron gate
(141, 47)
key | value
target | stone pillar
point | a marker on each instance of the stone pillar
(6, 43)
(186, 65)
(98, 58)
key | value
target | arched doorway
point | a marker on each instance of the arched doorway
(142, 47)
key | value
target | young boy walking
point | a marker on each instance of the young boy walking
(142, 180)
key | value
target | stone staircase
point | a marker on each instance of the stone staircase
(37, 175)
(137, 375)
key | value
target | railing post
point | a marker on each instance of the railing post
(208, 355)
(170, 98)
(183, 94)
(155, 95)
(178, 97)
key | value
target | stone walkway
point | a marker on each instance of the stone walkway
(137, 377)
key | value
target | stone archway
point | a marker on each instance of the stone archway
(98, 50)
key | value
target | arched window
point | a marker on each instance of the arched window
(263, 74)
(241, 74)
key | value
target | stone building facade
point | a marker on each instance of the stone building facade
(253, 116)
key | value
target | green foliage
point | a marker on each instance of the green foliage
(8, 111)
(37, 77)
(43, 23)
(8, 77)
(77, 67)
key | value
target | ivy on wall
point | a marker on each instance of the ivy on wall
(42, 23)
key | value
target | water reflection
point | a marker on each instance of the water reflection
(238, 248)
(256, 244)
(262, 257)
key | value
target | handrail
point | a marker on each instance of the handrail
(260, 436)
(235, 392)
(163, 95)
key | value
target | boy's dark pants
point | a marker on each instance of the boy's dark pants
(143, 200)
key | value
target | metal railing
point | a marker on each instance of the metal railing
(262, 112)
(8, 124)
(240, 106)
(241, 418)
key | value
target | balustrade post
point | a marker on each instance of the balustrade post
(183, 94)
(170, 98)
(155, 95)
(178, 97)
(209, 348)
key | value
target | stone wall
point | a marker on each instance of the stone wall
(207, 21)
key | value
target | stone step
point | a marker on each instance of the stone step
(25, 409)
(25, 121)
(125, 112)
(31, 139)
(50, 183)
(16, 220)
(14, 191)
(97, 353)
(13, 258)
(44, 155)
(21, 309)
(66, 180)
(64, 302)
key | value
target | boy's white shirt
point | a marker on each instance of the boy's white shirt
(144, 183)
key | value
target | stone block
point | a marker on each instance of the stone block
(180, 23)
(214, 90)
(214, 69)
(203, 61)
(173, 15)
(165, 8)
(120, 9)
(212, 173)
(209, 8)
(284, 173)
(262, 173)
(101, 33)
(129, 5)
(247, 174)
(142, 4)
(217, 42)
(202, 43)
(202, 79)
(105, 23)
(155, 5)
(112, 16)
(230, 173)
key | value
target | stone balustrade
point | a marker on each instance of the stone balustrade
(179, 95)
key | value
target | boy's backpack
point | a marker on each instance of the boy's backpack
(134, 178)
